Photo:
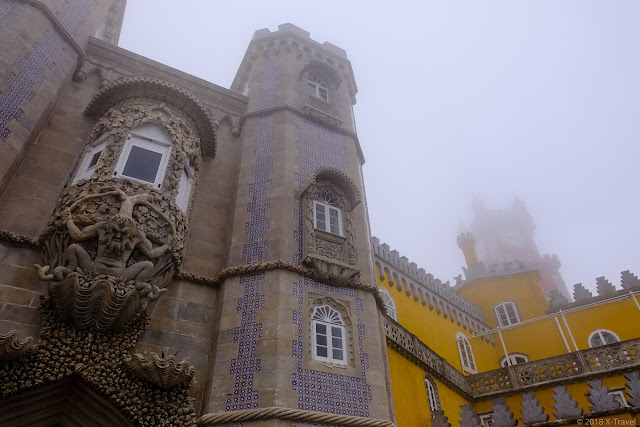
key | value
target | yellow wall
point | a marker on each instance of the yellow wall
(438, 332)
(410, 394)
(523, 288)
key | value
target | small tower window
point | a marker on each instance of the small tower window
(318, 89)
(467, 360)
(145, 155)
(327, 215)
(329, 336)
(507, 314)
(602, 337)
(389, 303)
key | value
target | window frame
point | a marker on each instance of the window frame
(317, 84)
(184, 195)
(432, 394)
(469, 363)
(85, 171)
(327, 207)
(392, 310)
(599, 332)
(622, 399)
(504, 306)
(330, 346)
(503, 361)
(144, 142)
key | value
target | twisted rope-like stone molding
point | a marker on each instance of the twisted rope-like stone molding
(291, 414)
(34, 242)
(269, 266)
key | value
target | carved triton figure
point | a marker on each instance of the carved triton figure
(117, 238)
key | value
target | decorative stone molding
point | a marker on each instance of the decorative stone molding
(438, 419)
(164, 372)
(600, 398)
(320, 116)
(633, 384)
(565, 406)
(12, 348)
(160, 91)
(501, 414)
(629, 280)
(277, 413)
(580, 293)
(603, 286)
(531, 410)
(98, 360)
(469, 417)
(556, 299)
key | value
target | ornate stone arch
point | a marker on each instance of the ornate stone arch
(332, 255)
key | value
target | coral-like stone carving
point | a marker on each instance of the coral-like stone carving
(604, 286)
(12, 348)
(629, 280)
(634, 388)
(502, 416)
(565, 406)
(106, 292)
(164, 372)
(600, 398)
(438, 419)
(580, 293)
(532, 411)
(469, 417)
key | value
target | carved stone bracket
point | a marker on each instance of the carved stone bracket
(12, 348)
(164, 372)
(330, 271)
(320, 116)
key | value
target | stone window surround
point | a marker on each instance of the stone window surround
(319, 87)
(329, 325)
(328, 208)
(389, 303)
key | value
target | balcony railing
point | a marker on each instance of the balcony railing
(567, 368)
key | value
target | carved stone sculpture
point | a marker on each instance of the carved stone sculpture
(164, 372)
(107, 292)
(12, 348)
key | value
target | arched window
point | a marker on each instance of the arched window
(318, 89)
(467, 360)
(145, 154)
(328, 216)
(389, 303)
(90, 160)
(328, 335)
(602, 337)
(432, 394)
(514, 358)
(507, 313)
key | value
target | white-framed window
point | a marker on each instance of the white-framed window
(88, 166)
(432, 394)
(145, 155)
(184, 187)
(389, 303)
(602, 337)
(467, 360)
(328, 335)
(327, 215)
(507, 313)
(485, 420)
(618, 396)
(514, 358)
(318, 89)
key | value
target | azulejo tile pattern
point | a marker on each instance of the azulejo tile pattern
(246, 364)
(34, 66)
(329, 392)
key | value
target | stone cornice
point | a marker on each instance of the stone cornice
(214, 96)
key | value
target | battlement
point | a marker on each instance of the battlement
(605, 290)
(481, 271)
(416, 282)
(465, 236)
(283, 29)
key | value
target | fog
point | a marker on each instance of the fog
(492, 99)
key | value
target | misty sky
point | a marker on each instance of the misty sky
(460, 99)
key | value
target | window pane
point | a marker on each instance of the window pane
(336, 342)
(321, 339)
(608, 338)
(94, 159)
(596, 341)
(336, 332)
(338, 354)
(312, 89)
(321, 351)
(321, 329)
(142, 164)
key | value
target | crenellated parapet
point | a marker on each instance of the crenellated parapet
(422, 286)
(605, 291)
